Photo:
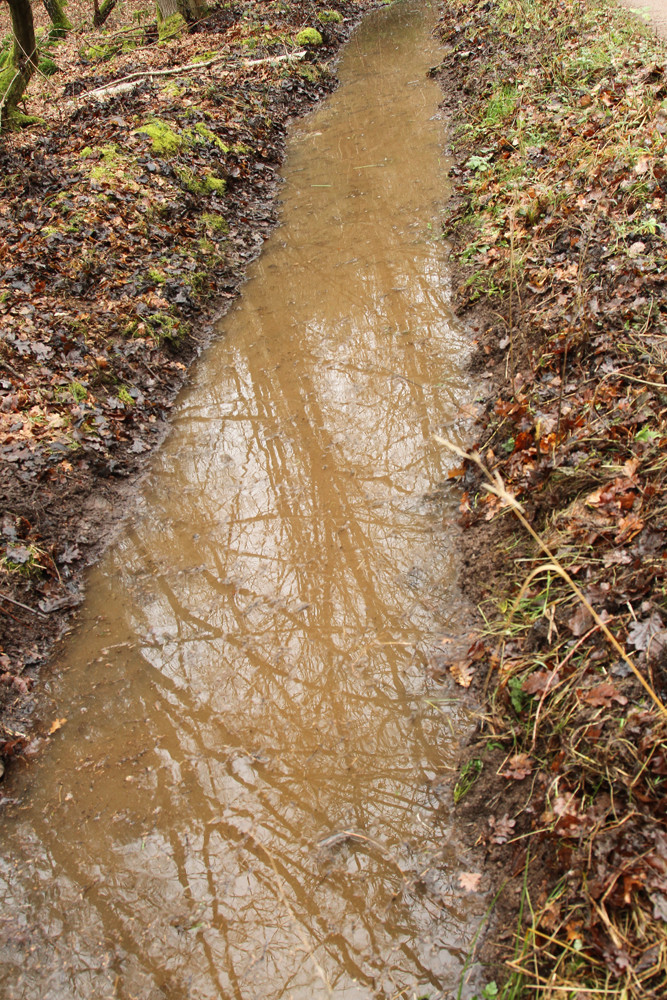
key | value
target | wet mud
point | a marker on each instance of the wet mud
(244, 798)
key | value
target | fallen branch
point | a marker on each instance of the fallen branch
(176, 70)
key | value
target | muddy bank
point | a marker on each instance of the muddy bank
(558, 228)
(128, 223)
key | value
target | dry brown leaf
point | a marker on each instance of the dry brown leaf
(462, 672)
(502, 828)
(540, 681)
(56, 725)
(519, 767)
(603, 694)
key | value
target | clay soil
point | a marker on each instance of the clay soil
(120, 249)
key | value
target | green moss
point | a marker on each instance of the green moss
(46, 66)
(124, 396)
(112, 160)
(200, 185)
(157, 277)
(205, 134)
(86, 152)
(163, 138)
(308, 72)
(26, 564)
(197, 281)
(204, 57)
(215, 184)
(130, 328)
(169, 27)
(175, 87)
(215, 223)
(165, 327)
(330, 17)
(77, 391)
(99, 53)
(309, 36)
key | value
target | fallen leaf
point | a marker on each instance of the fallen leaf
(519, 767)
(603, 694)
(462, 672)
(581, 621)
(470, 881)
(56, 725)
(643, 634)
(540, 681)
(502, 829)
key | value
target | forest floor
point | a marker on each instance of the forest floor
(127, 221)
(558, 230)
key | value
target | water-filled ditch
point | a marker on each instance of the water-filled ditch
(244, 801)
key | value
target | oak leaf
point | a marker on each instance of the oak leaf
(519, 767)
(463, 672)
(470, 881)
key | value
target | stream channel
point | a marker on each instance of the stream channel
(245, 798)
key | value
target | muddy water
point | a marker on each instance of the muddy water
(244, 799)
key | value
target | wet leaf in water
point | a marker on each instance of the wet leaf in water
(463, 672)
(470, 881)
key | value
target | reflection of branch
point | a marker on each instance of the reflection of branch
(497, 487)
(297, 926)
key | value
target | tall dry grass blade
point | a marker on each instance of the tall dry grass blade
(497, 487)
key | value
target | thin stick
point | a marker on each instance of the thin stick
(25, 607)
(497, 487)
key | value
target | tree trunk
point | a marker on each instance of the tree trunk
(190, 10)
(101, 13)
(22, 61)
(56, 11)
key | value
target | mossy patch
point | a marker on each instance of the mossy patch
(204, 57)
(165, 327)
(112, 165)
(208, 184)
(330, 17)
(309, 36)
(164, 140)
(205, 134)
(100, 53)
(169, 27)
(308, 72)
(124, 396)
(215, 223)
(47, 67)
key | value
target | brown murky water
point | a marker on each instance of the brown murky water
(249, 680)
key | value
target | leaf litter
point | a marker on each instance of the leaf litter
(558, 227)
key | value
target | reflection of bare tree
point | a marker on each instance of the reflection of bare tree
(276, 590)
